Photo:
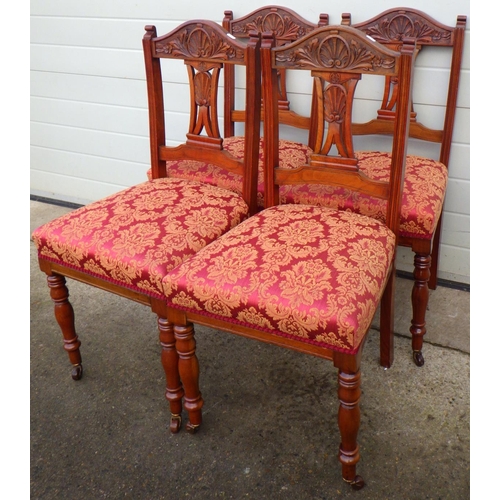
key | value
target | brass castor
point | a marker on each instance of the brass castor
(175, 423)
(192, 428)
(357, 483)
(418, 358)
(77, 372)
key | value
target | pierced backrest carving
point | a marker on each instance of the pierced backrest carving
(390, 28)
(205, 48)
(337, 57)
(286, 26)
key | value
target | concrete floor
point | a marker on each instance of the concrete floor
(269, 429)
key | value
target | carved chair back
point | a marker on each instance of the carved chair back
(205, 49)
(390, 28)
(287, 26)
(337, 57)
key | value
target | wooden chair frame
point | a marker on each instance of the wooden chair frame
(389, 28)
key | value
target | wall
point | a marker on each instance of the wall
(89, 124)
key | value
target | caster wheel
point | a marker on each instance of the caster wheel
(77, 372)
(175, 423)
(191, 428)
(418, 358)
(357, 483)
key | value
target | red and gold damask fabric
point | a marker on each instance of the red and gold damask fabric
(292, 155)
(309, 273)
(135, 237)
(421, 204)
(423, 192)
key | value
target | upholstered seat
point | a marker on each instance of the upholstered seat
(135, 237)
(310, 273)
(292, 155)
(423, 193)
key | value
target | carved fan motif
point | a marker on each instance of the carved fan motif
(335, 103)
(282, 27)
(336, 52)
(402, 26)
(202, 86)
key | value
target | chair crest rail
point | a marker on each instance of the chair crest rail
(334, 49)
(199, 41)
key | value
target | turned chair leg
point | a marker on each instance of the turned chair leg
(387, 322)
(65, 317)
(349, 393)
(435, 256)
(189, 372)
(174, 391)
(420, 300)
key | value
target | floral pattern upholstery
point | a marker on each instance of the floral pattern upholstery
(309, 273)
(135, 237)
(292, 155)
(423, 192)
(421, 204)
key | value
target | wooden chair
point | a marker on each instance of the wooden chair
(287, 26)
(127, 242)
(426, 178)
(307, 278)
